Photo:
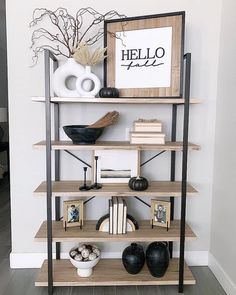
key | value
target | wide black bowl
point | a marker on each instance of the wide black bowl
(81, 135)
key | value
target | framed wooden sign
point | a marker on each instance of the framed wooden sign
(145, 55)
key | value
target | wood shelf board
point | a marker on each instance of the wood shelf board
(89, 234)
(155, 189)
(110, 272)
(120, 145)
(121, 100)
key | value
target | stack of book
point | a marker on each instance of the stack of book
(147, 132)
(117, 216)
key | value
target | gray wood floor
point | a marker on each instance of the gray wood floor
(21, 282)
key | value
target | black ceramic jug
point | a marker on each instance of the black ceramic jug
(157, 258)
(133, 258)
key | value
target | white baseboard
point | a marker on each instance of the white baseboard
(225, 281)
(195, 258)
(35, 260)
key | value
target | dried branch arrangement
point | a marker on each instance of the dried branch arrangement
(66, 31)
(84, 56)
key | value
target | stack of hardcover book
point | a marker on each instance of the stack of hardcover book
(147, 132)
(117, 216)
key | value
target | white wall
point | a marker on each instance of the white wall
(3, 56)
(27, 119)
(3, 75)
(223, 238)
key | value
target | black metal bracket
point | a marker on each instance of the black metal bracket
(152, 158)
(142, 201)
(89, 200)
(77, 158)
(141, 165)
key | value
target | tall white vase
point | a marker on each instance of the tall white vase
(83, 79)
(64, 78)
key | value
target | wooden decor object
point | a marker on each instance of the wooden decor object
(145, 55)
(109, 119)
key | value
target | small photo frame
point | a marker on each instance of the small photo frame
(116, 166)
(160, 213)
(72, 213)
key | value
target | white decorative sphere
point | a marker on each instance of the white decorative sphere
(92, 256)
(78, 257)
(97, 252)
(85, 253)
(73, 253)
(81, 248)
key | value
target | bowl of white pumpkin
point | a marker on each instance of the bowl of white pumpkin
(84, 257)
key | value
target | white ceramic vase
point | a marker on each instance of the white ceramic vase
(84, 79)
(65, 77)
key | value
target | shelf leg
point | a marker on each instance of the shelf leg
(48, 170)
(184, 171)
(172, 170)
(57, 171)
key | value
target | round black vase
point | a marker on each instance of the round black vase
(133, 258)
(157, 258)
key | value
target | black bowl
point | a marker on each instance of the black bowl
(81, 135)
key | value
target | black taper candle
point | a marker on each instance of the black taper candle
(96, 185)
(85, 187)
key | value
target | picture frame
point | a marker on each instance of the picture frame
(160, 213)
(73, 213)
(116, 166)
(139, 65)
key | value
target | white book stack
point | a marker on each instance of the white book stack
(115, 215)
(124, 228)
(118, 216)
(147, 132)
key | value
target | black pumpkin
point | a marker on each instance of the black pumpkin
(109, 92)
(138, 183)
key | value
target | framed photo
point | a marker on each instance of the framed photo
(160, 213)
(145, 55)
(72, 213)
(116, 166)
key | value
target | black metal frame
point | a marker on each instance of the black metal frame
(48, 57)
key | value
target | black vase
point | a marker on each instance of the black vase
(157, 258)
(133, 258)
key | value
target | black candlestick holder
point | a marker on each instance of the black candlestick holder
(85, 187)
(96, 185)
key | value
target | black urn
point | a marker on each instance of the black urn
(133, 258)
(157, 258)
